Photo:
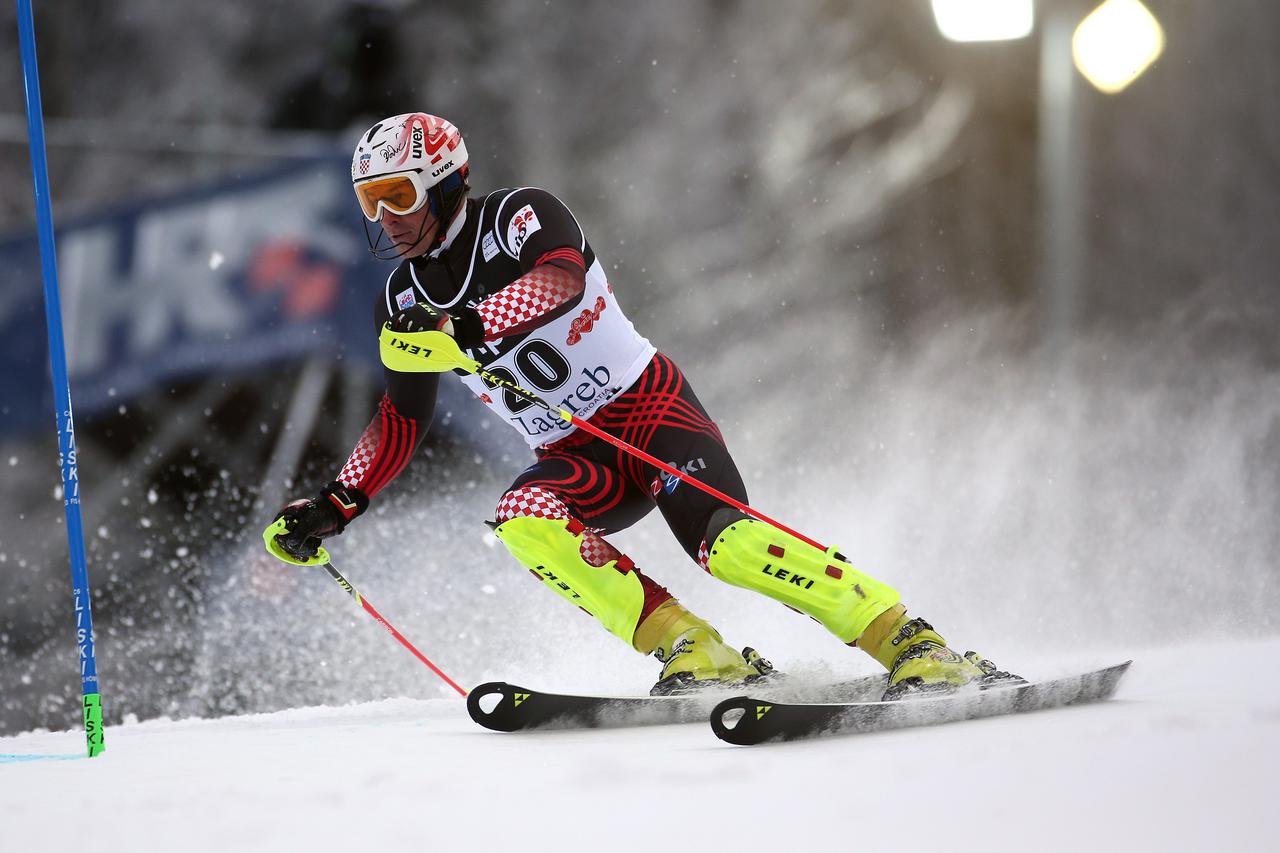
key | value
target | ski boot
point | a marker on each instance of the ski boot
(693, 654)
(920, 663)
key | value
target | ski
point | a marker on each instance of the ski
(522, 709)
(751, 720)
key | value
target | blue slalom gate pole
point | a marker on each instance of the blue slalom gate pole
(93, 730)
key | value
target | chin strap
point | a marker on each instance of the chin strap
(441, 243)
(437, 199)
(451, 194)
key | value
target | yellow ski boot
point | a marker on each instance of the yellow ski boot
(919, 661)
(693, 654)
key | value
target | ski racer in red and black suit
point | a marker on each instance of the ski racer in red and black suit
(512, 277)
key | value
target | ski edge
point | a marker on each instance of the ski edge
(836, 718)
(521, 709)
(545, 711)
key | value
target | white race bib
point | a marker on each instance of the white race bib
(577, 362)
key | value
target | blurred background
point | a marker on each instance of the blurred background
(983, 291)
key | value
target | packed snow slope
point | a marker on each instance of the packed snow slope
(1181, 759)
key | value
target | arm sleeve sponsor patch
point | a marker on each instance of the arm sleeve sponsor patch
(489, 246)
(521, 227)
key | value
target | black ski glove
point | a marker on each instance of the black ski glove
(307, 523)
(463, 325)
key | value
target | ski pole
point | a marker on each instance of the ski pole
(436, 352)
(369, 608)
(90, 688)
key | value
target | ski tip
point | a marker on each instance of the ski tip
(738, 720)
(1111, 677)
(1113, 672)
(496, 714)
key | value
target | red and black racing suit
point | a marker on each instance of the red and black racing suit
(500, 286)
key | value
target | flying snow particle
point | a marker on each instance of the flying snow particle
(488, 589)
(215, 260)
(152, 497)
(182, 551)
(13, 460)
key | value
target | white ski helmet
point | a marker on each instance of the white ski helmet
(409, 160)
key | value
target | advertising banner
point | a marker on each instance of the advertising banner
(222, 279)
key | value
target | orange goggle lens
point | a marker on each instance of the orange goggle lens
(398, 194)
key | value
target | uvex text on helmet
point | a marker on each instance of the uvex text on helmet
(426, 144)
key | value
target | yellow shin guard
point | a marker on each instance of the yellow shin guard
(551, 549)
(760, 557)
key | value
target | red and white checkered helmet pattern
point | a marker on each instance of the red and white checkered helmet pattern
(418, 142)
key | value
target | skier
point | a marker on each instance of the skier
(513, 279)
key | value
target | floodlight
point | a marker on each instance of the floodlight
(984, 20)
(1115, 43)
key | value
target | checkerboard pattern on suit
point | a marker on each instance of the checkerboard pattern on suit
(596, 551)
(382, 452)
(361, 459)
(540, 503)
(536, 293)
(530, 501)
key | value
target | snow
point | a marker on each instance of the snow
(1179, 760)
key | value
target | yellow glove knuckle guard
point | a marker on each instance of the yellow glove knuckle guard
(279, 528)
(422, 352)
(551, 551)
(762, 558)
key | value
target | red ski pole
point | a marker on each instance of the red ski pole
(363, 602)
(657, 463)
(436, 352)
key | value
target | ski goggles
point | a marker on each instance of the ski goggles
(402, 194)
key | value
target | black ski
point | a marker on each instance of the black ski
(747, 720)
(522, 709)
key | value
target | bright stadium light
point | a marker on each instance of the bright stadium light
(984, 20)
(1116, 43)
